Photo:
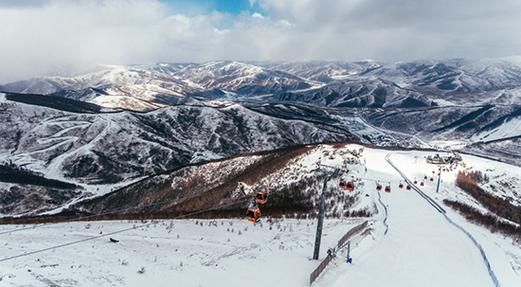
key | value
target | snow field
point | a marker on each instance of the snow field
(180, 252)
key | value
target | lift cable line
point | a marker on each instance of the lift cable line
(105, 235)
(78, 218)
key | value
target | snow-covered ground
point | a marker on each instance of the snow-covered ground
(173, 253)
(420, 247)
(509, 128)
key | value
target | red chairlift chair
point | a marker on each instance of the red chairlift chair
(350, 186)
(261, 198)
(347, 185)
(253, 214)
(388, 188)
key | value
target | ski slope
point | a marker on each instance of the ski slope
(410, 244)
(419, 247)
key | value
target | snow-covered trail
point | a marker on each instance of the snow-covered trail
(442, 211)
(420, 248)
(498, 251)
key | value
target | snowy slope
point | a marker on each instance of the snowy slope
(172, 252)
(420, 246)
(509, 128)
(105, 151)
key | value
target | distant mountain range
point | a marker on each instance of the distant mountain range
(333, 84)
(102, 130)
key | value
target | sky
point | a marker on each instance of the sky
(48, 37)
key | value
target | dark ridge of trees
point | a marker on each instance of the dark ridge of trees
(487, 220)
(468, 182)
(54, 102)
(11, 173)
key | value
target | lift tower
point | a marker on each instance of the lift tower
(329, 174)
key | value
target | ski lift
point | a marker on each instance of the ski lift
(253, 214)
(388, 187)
(347, 185)
(261, 198)
(350, 186)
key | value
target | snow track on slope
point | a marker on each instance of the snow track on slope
(436, 206)
(386, 213)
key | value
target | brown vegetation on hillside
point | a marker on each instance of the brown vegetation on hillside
(468, 182)
(212, 190)
(485, 219)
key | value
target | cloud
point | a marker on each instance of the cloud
(23, 3)
(58, 36)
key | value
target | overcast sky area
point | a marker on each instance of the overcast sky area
(44, 37)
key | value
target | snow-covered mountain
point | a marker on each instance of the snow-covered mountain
(120, 123)
(150, 87)
(200, 140)
(333, 84)
(133, 88)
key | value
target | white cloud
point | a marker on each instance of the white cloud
(42, 37)
(257, 15)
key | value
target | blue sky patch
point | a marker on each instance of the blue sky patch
(234, 7)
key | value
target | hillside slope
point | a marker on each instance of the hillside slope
(407, 242)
